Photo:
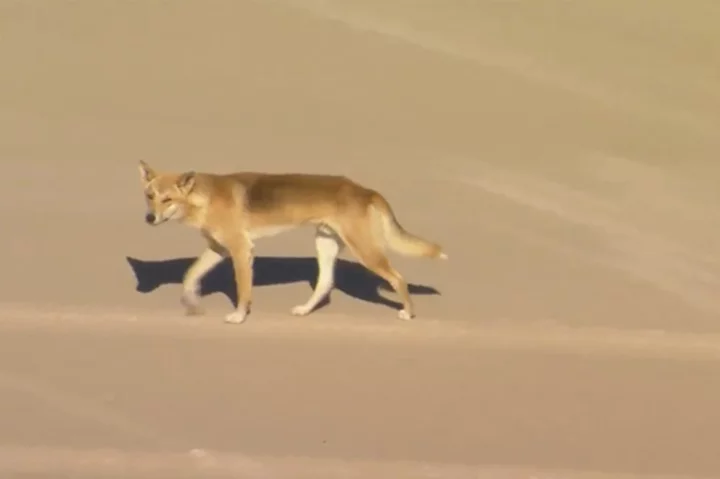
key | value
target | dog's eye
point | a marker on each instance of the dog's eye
(166, 200)
(149, 196)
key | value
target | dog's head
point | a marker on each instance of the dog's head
(166, 195)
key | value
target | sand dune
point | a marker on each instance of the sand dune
(564, 154)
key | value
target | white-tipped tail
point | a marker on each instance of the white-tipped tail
(400, 240)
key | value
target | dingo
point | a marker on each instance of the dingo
(233, 210)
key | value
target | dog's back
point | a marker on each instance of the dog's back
(270, 192)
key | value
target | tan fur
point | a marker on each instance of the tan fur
(233, 210)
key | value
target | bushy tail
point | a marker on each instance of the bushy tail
(395, 235)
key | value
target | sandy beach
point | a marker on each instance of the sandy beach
(565, 154)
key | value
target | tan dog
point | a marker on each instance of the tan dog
(233, 210)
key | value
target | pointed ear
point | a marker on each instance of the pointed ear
(186, 181)
(147, 174)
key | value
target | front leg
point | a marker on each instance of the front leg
(209, 258)
(242, 258)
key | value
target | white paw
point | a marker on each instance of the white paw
(301, 310)
(191, 301)
(236, 317)
(405, 315)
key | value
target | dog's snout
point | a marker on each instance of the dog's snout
(150, 218)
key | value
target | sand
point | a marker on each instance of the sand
(564, 153)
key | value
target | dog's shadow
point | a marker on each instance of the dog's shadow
(351, 278)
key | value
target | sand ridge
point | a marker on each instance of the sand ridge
(201, 463)
(542, 338)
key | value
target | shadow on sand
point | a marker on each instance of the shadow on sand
(351, 278)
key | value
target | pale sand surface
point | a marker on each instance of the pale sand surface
(564, 153)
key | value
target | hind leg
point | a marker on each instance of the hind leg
(328, 246)
(361, 241)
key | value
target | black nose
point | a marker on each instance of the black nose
(150, 218)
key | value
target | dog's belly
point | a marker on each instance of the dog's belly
(266, 231)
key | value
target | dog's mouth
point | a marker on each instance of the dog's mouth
(173, 212)
(157, 221)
